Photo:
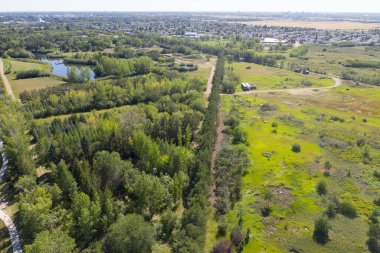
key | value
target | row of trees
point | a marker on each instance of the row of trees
(193, 228)
(107, 94)
(122, 67)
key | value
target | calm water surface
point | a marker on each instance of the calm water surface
(60, 68)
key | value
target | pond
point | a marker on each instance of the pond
(60, 68)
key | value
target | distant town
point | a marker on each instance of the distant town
(202, 25)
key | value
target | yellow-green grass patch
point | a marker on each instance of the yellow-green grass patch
(292, 177)
(267, 78)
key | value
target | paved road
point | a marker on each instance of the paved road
(16, 245)
(5, 80)
(338, 82)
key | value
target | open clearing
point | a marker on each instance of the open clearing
(20, 85)
(323, 25)
(275, 78)
(327, 125)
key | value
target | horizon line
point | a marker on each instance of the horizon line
(184, 11)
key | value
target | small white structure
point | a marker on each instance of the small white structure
(191, 35)
(248, 86)
(272, 42)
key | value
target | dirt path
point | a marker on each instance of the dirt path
(219, 132)
(5, 80)
(295, 91)
(16, 245)
(210, 78)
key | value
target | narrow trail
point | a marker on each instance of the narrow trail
(210, 79)
(295, 91)
(5, 80)
(13, 234)
(219, 134)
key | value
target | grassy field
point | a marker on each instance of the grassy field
(325, 25)
(311, 121)
(333, 60)
(21, 85)
(201, 72)
(32, 83)
(275, 78)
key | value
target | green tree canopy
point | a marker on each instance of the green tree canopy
(129, 234)
(54, 241)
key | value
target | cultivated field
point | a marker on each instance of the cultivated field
(341, 127)
(323, 25)
(275, 78)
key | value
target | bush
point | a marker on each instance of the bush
(222, 247)
(347, 209)
(236, 236)
(265, 211)
(296, 148)
(321, 230)
(331, 210)
(374, 238)
(239, 136)
(222, 230)
(376, 174)
(377, 202)
(34, 73)
(322, 188)
(232, 121)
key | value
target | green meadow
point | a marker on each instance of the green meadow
(328, 126)
(275, 78)
(20, 85)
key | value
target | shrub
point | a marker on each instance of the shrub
(331, 210)
(222, 247)
(376, 174)
(34, 73)
(322, 188)
(374, 238)
(239, 136)
(236, 236)
(377, 202)
(347, 209)
(296, 148)
(360, 143)
(321, 230)
(265, 211)
(222, 230)
(232, 121)
(265, 108)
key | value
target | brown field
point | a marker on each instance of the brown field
(324, 25)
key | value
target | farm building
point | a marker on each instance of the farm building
(248, 86)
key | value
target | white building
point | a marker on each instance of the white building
(191, 35)
(272, 42)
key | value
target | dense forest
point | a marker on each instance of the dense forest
(124, 154)
(126, 161)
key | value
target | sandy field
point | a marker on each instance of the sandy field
(325, 25)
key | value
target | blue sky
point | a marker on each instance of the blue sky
(192, 5)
